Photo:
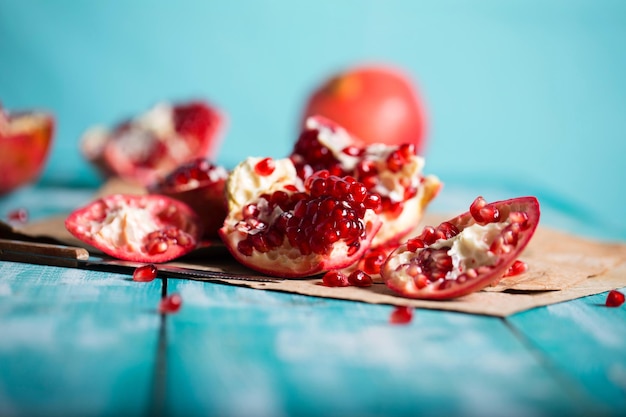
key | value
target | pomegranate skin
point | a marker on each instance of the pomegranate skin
(376, 103)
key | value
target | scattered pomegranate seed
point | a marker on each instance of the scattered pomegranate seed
(401, 315)
(19, 215)
(265, 167)
(335, 279)
(170, 304)
(359, 278)
(518, 267)
(614, 299)
(145, 273)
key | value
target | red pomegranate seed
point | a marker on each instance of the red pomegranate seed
(170, 304)
(335, 279)
(483, 212)
(145, 273)
(401, 315)
(265, 167)
(614, 299)
(359, 278)
(19, 215)
(373, 260)
(518, 267)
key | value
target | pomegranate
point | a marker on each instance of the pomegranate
(282, 226)
(393, 172)
(146, 148)
(201, 185)
(464, 254)
(145, 273)
(378, 104)
(25, 141)
(148, 228)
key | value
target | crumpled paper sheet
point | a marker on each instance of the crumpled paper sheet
(561, 267)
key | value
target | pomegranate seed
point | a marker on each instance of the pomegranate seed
(19, 215)
(483, 212)
(170, 304)
(414, 244)
(145, 273)
(518, 267)
(401, 315)
(265, 167)
(359, 278)
(614, 299)
(373, 260)
(335, 279)
(352, 150)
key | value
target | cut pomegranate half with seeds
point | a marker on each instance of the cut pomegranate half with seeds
(464, 254)
(392, 171)
(201, 185)
(282, 226)
(148, 228)
(614, 299)
(146, 148)
(25, 142)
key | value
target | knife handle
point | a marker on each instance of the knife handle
(20, 248)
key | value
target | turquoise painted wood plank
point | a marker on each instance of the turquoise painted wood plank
(586, 343)
(41, 202)
(234, 351)
(75, 342)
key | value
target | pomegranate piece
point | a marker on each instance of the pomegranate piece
(464, 254)
(170, 304)
(282, 226)
(401, 315)
(25, 142)
(146, 148)
(148, 228)
(614, 299)
(145, 273)
(392, 171)
(201, 185)
(378, 104)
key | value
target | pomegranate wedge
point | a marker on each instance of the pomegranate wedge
(464, 254)
(149, 228)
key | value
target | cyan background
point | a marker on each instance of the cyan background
(524, 97)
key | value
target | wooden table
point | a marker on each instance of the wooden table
(87, 343)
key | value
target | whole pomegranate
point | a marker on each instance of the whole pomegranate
(149, 146)
(25, 141)
(282, 226)
(378, 104)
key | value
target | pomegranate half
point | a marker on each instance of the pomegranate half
(282, 226)
(392, 171)
(464, 254)
(147, 228)
(25, 142)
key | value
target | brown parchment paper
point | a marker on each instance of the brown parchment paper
(561, 267)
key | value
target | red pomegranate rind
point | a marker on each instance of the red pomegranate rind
(148, 228)
(201, 185)
(392, 171)
(25, 141)
(427, 267)
(281, 226)
(146, 148)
